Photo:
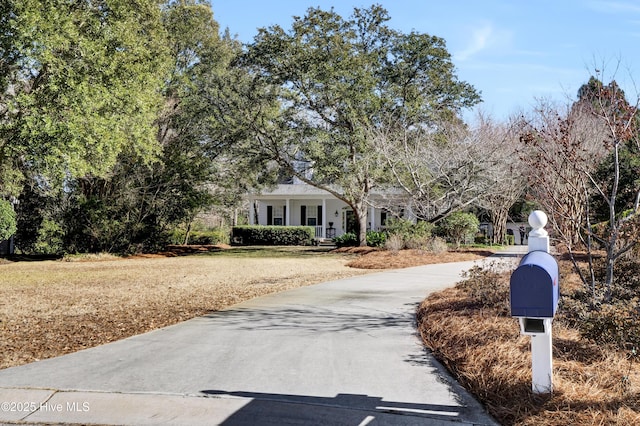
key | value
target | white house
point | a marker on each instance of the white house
(302, 204)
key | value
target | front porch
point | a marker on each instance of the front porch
(304, 205)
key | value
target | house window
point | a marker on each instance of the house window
(310, 215)
(278, 215)
(312, 218)
(275, 215)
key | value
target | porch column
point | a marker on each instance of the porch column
(372, 217)
(324, 218)
(287, 221)
(252, 210)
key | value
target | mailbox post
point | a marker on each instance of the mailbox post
(534, 294)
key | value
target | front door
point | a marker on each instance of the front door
(352, 222)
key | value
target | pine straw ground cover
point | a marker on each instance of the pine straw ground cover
(49, 308)
(469, 330)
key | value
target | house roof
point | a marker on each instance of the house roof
(303, 190)
(291, 190)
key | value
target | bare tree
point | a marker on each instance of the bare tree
(621, 231)
(434, 169)
(449, 167)
(560, 146)
(575, 161)
(504, 178)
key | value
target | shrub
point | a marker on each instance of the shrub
(394, 243)
(417, 243)
(488, 287)
(511, 240)
(608, 319)
(50, 238)
(616, 323)
(349, 239)
(482, 239)
(430, 244)
(346, 240)
(412, 234)
(273, 235)
(460, 227)
(436, 245)
(376, 239)
(399, 227)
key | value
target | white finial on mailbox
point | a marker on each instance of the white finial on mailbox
(538, 237)
(538, 220)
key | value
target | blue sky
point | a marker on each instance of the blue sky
(514, 52)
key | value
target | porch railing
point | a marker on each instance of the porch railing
(319, 231)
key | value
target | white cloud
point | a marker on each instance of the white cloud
(480, 39)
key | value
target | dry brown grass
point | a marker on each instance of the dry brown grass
(50, 308)
(593, 385)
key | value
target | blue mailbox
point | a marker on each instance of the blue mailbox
(535, 286)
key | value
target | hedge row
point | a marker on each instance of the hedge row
(273, 235)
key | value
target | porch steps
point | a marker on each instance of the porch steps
(325, 242)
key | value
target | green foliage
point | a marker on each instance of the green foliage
(131, 203)
(348, 239)
(7, 220)
(511, 239)
(86, 81)
(94, 225)
(481, 239)
(616, 322)
(216, 236)
(338, 81)
(413, 235)
(50, 238)
(628, 185)
(273, 235)
(460, 227)
(376, 239)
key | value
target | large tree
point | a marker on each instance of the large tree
(450, 166)
(134, 206)
(83, 85)
(337, 79)
(207, 158)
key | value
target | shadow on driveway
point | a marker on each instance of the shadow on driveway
(343, 409)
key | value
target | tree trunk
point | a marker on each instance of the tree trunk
(188, 233)
(614, 224)
(361, 214)
(499, 223)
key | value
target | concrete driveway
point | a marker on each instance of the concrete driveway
(339, 353)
